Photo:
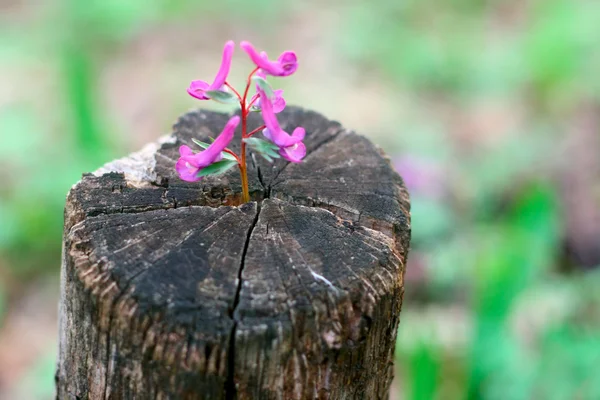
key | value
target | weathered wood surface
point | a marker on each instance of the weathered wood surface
(172, 290)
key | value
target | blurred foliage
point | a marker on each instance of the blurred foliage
(2, 303)
(474, 46)
(38, 383)
(495, 235)
(496, 320)
(424, 369)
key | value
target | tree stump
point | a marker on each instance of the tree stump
(173, 290)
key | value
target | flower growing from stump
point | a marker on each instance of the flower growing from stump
(290, 147)
(190, 165)
(199, 88)
(216, 158)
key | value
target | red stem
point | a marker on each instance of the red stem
(252, 102)
(234, 91)
(245, 113)
(260, 128)
(233, 154)
(242, 163)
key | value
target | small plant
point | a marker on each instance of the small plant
(216, 158)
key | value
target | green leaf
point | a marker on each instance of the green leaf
(264, 85)
(204, 145)
(222, 97)
(260, 143)
(228, 156)
(217, 168)
(266, 149)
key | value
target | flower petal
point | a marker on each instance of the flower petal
(269, 67)
(213, 152)
(226, 135)
(197, 89)
(185, 151)
(267, 133)
(260, 72)
(294, 153)
(186, 171)
(225, 66)
(277, 135)
(288, 62)
(279, 102)
(268, 113)
(299, 133)
(188, 155)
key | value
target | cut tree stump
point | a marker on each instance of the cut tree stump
(173, 290)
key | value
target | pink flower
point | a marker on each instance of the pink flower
(189, 164)
(198, 88)
(286, 64)
(278, 101)
(290, 147)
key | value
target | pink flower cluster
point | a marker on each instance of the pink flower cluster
(269, 102)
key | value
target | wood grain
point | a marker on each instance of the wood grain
(173, 290)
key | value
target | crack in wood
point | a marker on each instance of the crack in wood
(230, 388)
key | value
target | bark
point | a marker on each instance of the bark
(173, 290)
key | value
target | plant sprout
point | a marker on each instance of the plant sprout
(216, 158)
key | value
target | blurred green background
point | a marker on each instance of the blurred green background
(490, 110)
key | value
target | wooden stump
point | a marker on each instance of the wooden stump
(173, 290)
